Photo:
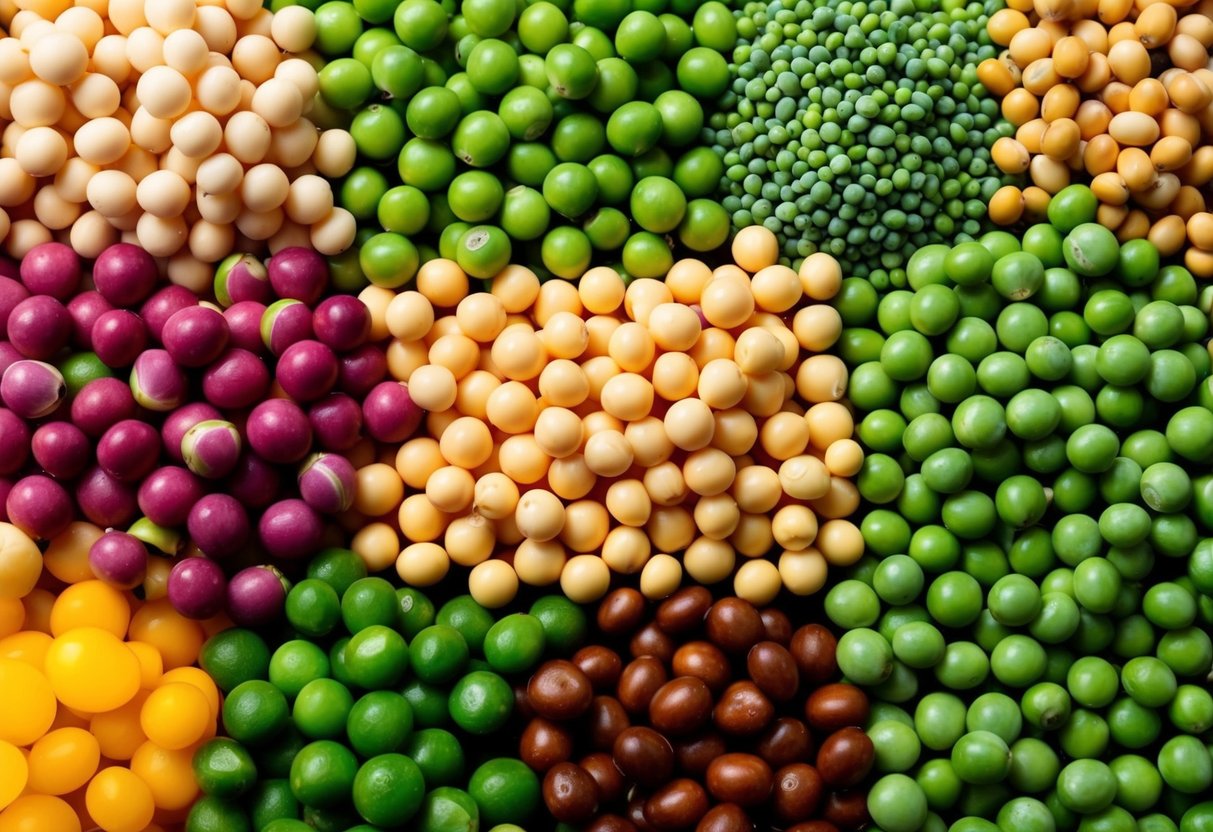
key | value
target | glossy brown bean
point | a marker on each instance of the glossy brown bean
(544, 744)
(814, 648)
(611, 823)
(835, 706)
(607, 776)
(681, 706)
(677, 805)
(558, 690)
(570, 793)
(606, 721)
(744, 779)
(522, 702)
(644, 756)
(787, 740)
(725, 817)
(812, 826)
(733, 625)
(798, 792)
(695, 755)
(743, 710)
(845, 757)
(651, 640)
(777, 625)
(847, 810)
(601, 665)
(621, 611)
(635, 814)
(684, 610)
(638, 682)
(773, 669)
(705, 661)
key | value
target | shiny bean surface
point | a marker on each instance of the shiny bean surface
(705, 661)
(621, 611)
(644, 756)
(570, 793)
(684, 610)
(544, 744)
(845, 757)
(835, 706)
(559, 690)
(744, 779)
(680, 706)
(787, 741)
(773, 669)
(639, 681)
(743, 709)
(798, 792)
(601, 665)
(677, 805)
(734, 625)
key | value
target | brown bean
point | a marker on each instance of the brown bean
(570, 793)
(677, 805)
(705, 661)
(696, 755)
(651, 640)
(684, 610)
(798, 791)
(786, 741)
(544, 744)
(835, 706)
(845, 758)
(777, 625)
(680, 706)
(601, 665)
(744, 779)
(611, 823)
(522, 702)
(773, 669)
(725, 817)
(635, 814)
(812, 826)
(847, 810)
(609, 779)
(733, 625)
(607, 720)
(813, 647)
(743, 710)
(643, 755)
(638, 682)
(559, 690)
(621, 611)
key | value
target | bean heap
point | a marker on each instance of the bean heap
(1034, 532)
(1120, 92)
(550, 128)
(859, 129)
(369, 709)
(576, 431)
(177, 125)
(670, 741)
(103, 707)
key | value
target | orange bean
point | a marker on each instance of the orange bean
(1136, 129)
(1030, 45)
(1006, 205)
(1110, 189)
(1010, 155)
(1030, 133)
(1093, 118)
(1116, 96)
(1054, 9)
(1135, 167)
(1135, 227)
(1092, 34)
(1112, 12)
(1121, 31)
(1187, 202)
(1097, 76)
(1048, 174)
(1075, 162)
(1200, 230)
(1129, 59)
(1187, 52)
(1187, 92)
(1036, 203)
(1199, 262)
(1061, 101)
(1070, 56)
(995, 76)
(1156, 24)
(1004, 24)
(1198, 26)
(1167, 235)
(1056, 30)
(1149, 96)
(1060, 141)
(1020, 5)
(1039, 76)
(1100, 154)
(1177, 123)
(1111, 216)
(1199, 171)
(1020, 106)
(1170, 153)
(1160, 194)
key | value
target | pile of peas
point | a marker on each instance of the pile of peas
(860, 129)
(373, 708)
(1033, 605)
(569, 131)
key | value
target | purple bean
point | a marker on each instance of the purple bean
(167, 495)
(327, 482)
(211, 448)
(118, 336)
(11, 294)
(160, 307)
(39, 506)
(290, 529)
(157, 382)
(128, 451)
(218, 525)
(299, 273)
(336, 422)
(51, 269)
(101, 403)
(119, 559)
(279, 431)
(39, 327)
(361, 370)
(241, 277)
(237, 379)
(244, 324)
(8, 356)
(14, 442)
(61, 449)
(181, 420)
(197, 588)
(285, 322)
(389, 413)
(307, 370)
(32, 389)
(104, 500)
(195, 337)
(255, 596)
(343, 322)
(125, 274)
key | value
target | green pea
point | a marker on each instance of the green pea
(1085, 735)
(939, 720)
(918, 644)
(1185, 764)
(1046, 706)
(964, 666)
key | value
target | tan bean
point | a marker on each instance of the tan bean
(1004, 24)
(1097, 76)
(1116, 96)
(1093, 118)
(1135, 227)
(1006, 205)
(1110, 188)
(1167, 235)
(1060, 101)
(1156, 24)
(1111, 216)
(1199, 170)
(1036, 202)
(1071, 55)
(1170, 153)
(1200, 230)
(1112, 12)
(1188, 201)
(1134, 129)
(1121, 31)
(1199, 26)
(1160, 194)
(1129, 60)
(1176, 123)
(1030, 45)
(1054, 9)
(1092, 34)
(1187, 52)
(1149, 96)
(1020, 106)
(1060, 141)
(1100, 154)
(1050, 175)
(1030, 133)
(1010, 156)
(1199, 262)
(1039, 77)
(995, 76)
(1187, 92)
(1135, 167)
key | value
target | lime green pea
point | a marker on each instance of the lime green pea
(658, 204)
(918, 644)
(420, 24)
(388, 260)
(483, 251)
(1034, 766)
(1085, 735)
(1018, 661)
(997, 713)
(542, 26)
(1072, 206)
(1109, 312)
(964, 666)
(338, 27)
(524, 213)
(933, 309)
(703, 73)
(404, 210)
(705, 227)
(1057, 619)
(646, 254)
(1018, 276)
(939, 719)
(426, 165)
(1086, 786)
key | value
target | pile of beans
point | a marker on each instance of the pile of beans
(575, 431)
(859, 129)
(102, 706)
(1117, 91)
(374, 706)
(711, 725)
(1034, 601)
(177, 125)
(570, 130)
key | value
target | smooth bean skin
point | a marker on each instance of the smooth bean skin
(845, 757)
(680, 706)
(570, 793)
(743, 709)
(544, 744)
(786, 741)
(643, 755)
(677, 805)
(684, 610)
(835, 706)
(744, 779)
(559, 690)
(639, 681)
